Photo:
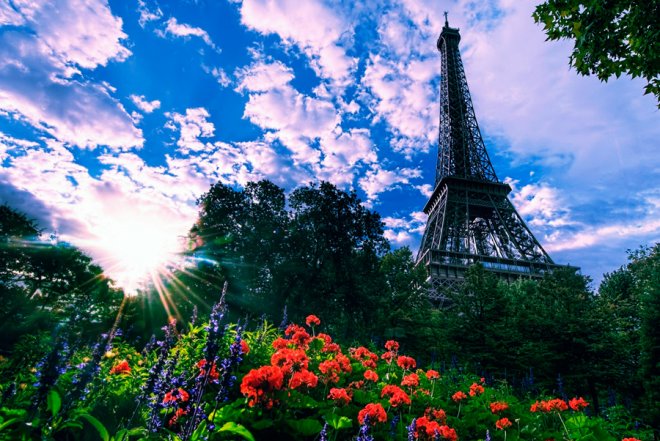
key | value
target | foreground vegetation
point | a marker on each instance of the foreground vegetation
(216, 381)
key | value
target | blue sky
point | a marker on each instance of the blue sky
(115, 117)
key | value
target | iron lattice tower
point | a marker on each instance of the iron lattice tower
(470, 218)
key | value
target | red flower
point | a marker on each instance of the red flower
(281, 343)
(392, 345)
(312, 320)
(325, 337)
(388, 356)
(301, 338)
(364, 356)
(375, 413)
(178, 414)
(405, 362)
(556, 404)
(437, 415)
(245, 349)
(356, 384)
(459, 396)
(432, 375)
(498, 406)
(213, 374)
(121, 368)
(331, 347)
(330, 369)
(258, 383)
(175, 395)
(411, 380)
(430, 430)
(396, 394)
(339, 396)
(303, 378)
(344, 363)
(630, 439)
(476, 389)
(290, 360)
(371, 375)
(503, 423)
(292, 329)
(548, 406)
(577, 404)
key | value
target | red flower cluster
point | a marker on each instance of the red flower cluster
(459, 396)
(476, 389)
(176, 395)
(503, 423)
(339, 396)
(213, 373)
(178, 414)
(630, 439)
(303, 378)
(375, 413)
(364, 356)
(548, 406)
(245, 349)
(388, 356)
(430, 430)
(312, 320)
(498, 406)
(577, 404)
(432, 375)
(299, 336)
(259, 383)
(290, 360)
(121, 368)
(437, 415)
(406, 363)
(411, 380)
(371, 375)
(392, 345)
(396, 394)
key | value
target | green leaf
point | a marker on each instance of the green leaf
(338, 422)
(103, 432)
(8, 423)
(306, 426)
(54, 402)
(237, 429)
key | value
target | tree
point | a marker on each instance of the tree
(46, 283)
(611, 37)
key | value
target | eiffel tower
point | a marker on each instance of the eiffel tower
(470, 218)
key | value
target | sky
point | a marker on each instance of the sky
(116, 116)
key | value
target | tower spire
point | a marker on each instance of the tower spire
(470, 218)
(446, 20)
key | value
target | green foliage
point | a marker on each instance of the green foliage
(610, 37)
(109, 411)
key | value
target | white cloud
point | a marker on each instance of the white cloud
(192, 126)
(378, 180)
(221, 76)
(540, 203)
(146, 14)
(263, 76)
(83, 32)
(173, 27)
(145, 105)
(37, 66)
(401, 94)
(315, 28)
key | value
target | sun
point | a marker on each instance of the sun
(135, 249)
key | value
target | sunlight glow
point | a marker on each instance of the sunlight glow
(136, 249)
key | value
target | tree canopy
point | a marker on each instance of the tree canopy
(610, 37)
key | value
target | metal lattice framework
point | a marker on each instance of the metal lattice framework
(470, 218)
